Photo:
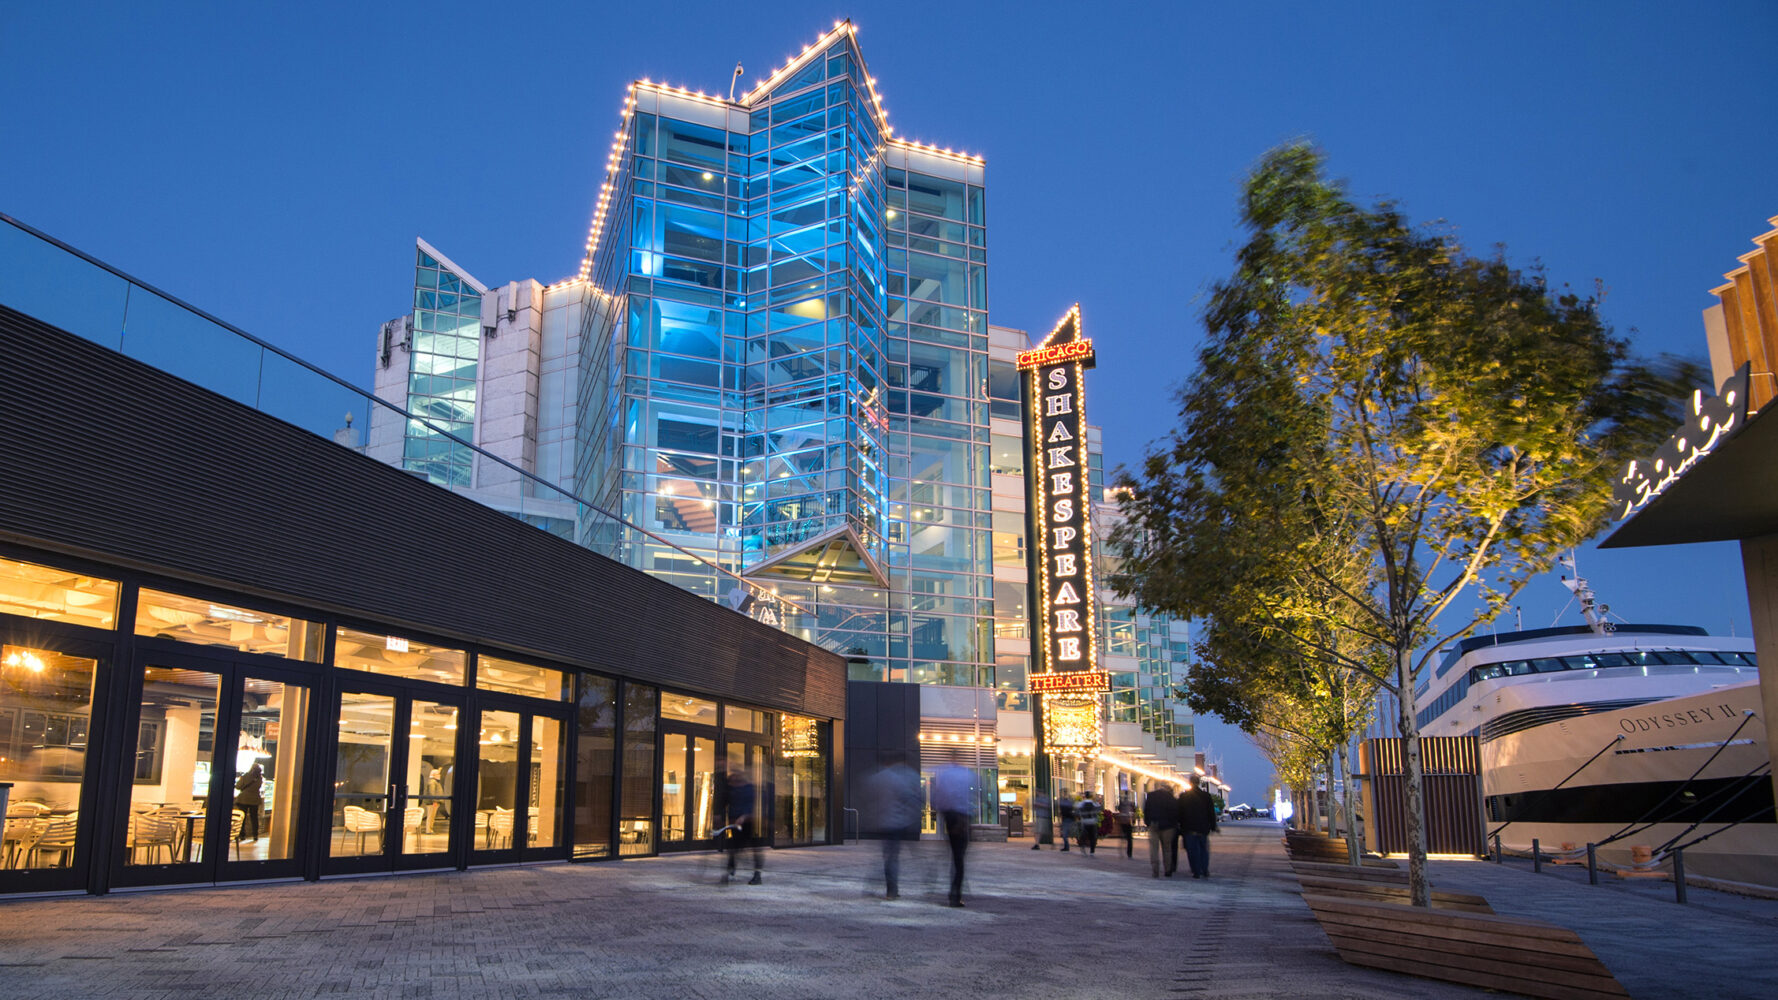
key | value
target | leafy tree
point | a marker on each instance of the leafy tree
(1386, 437)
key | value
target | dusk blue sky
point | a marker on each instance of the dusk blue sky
(273, 164)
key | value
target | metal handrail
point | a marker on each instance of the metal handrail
(373, 399)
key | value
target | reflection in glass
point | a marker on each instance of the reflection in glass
(546, 777)
(751, 720)
(361, 774)
(56, 595)
(673, 790)
(175, 758)
(393, 656)
(802, 781)
(636, 794)
(45, 707)
(688, 709)
(497, 780)
(274, 721)
(513, 677)
(595, 746)
(189, 619)
(431, 774)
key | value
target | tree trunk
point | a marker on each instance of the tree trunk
(1413, 805)
(1351, 806)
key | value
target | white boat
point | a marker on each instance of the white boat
(1618, 735)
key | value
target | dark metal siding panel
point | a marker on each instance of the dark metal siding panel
(1450, 790)
(110, 459)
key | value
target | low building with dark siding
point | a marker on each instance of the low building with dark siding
(413, 679)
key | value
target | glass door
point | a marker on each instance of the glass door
(521, 783)
(47, 689)
(213, 789)
(394, 771)
(688, 791)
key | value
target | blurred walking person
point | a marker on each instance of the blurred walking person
(1126, 821)
(1197, 819)
(1160, 810)
(953, 798)
(737, 800)
(893, 795)
(1065, 812)
(1089, 813)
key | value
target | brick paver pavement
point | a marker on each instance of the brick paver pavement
(1039, 924)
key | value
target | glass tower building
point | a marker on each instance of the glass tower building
(774, 361)
(794, 384)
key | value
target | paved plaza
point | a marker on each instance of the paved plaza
(1038, 924)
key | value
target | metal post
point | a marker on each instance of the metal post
(1497, 848)
(1536, 856)
(1679, 875)
(1592, 866)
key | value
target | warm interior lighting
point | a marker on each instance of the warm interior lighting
(25, 659)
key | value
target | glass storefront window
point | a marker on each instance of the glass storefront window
(46, 702)
(685, 708)
(393, 656)
(364, 753)
(57, 595)
(169, 799)
(595, 747)
(512, 677)
(801, 781)
(735, 717)
(636, 807)
(274, 722)
(546, 782)
(189, 619)
(431, 775)
(497, 787)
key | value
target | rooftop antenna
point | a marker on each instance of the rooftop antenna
(734, 80)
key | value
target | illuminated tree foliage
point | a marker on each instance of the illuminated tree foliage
(1386, 437)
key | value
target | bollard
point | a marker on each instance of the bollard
(1536, 856)
(1679, 875)
(1497, 848)
(1592, 866)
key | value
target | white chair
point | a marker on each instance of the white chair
(58, 838)
(20, 837)
(152, 833)
(362, 822)
(411, 817)
(500, 827)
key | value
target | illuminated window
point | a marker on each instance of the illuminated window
(57, 595)
(394, 656)
(190, 619)
(513, 677)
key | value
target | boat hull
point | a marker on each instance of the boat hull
(1662, 773)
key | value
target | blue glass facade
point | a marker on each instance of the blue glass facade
(443, 357)
(793, 379)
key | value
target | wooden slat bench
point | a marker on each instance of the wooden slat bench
(1315, 847)
(1385, 872)
(1387, 892)
(1515, 955)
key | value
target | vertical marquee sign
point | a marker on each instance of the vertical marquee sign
(1058, 527)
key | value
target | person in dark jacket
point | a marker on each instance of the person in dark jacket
(1160, 810)
(1089, 812)
(1197, 819)
(738, 802)
(249, 797)
(1126, 823)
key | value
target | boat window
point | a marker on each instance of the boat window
(1486, 673)
(1575, 663)
(1611, 659)
(1746, 658)
(1642, 658)
(1675, 656)
(1706, 656)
